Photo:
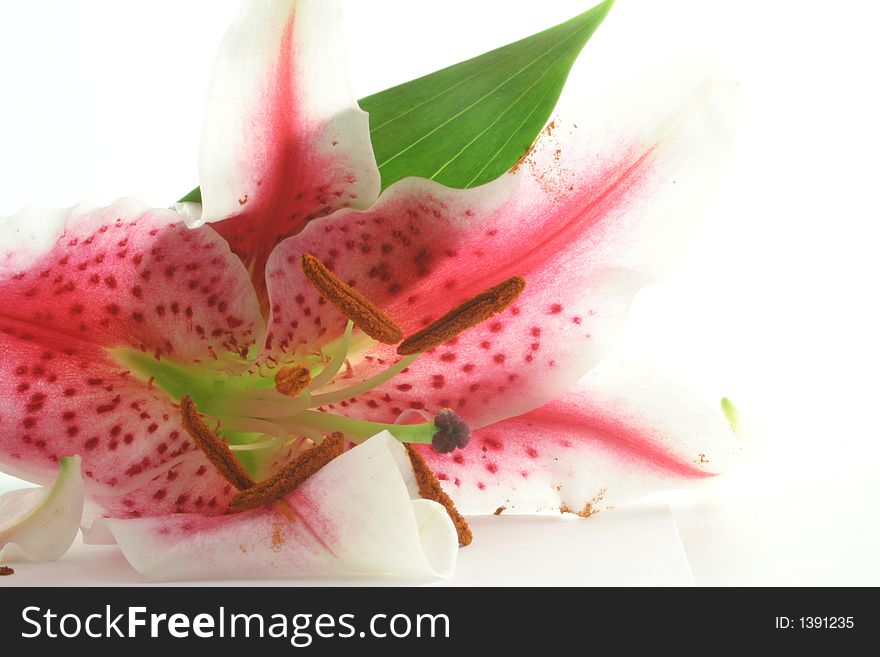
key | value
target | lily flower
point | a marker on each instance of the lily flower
(189, 364)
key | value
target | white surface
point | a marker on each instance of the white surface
(635, 546)
(775, 307)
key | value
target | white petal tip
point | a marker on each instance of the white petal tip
(40, 524)
(438, 536)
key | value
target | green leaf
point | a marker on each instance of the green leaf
(195, 196)
(467, 124)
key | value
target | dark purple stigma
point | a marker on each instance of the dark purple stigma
(452, 432)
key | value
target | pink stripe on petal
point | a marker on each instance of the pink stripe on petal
(284, 141)
(622, 433)
(585, 227)
(630, 443)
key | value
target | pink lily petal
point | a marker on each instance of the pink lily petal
(186, 483)
(358, 515)
(284, 140)
(74, 288)
(622, 433)
(597, 210)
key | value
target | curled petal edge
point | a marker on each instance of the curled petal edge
(359, 515)
(40, 524)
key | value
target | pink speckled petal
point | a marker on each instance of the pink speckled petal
(600, 208)
(622, 433)
(74, 286)
(358, 515)
(283, 140)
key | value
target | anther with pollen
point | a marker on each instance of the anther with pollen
(290, 476)
(468, 314)
(351, 303)
(430, 489)
(215, 449)
(291, 381)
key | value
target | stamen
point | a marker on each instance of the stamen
(252, 425)
(254, 447)
(298, 430)
(216, 450)
(290, 476)
(265, 403)
(291, 381)
(350, 302)
(430, 489)
(468, 314)
(336, 362)
(363, 386)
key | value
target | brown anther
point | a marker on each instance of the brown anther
(351, 303)
(6, 570)
(215, 449)
(291, 381)
(290, 476)
(470, 313)
(430, 489)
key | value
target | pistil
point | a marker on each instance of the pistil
(445, 434)
(359, 430)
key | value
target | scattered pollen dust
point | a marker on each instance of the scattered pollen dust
(277, 538)
(524, 159)
(589, 508)
(284, 509)
(702, 459)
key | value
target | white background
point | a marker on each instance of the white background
(776, 305)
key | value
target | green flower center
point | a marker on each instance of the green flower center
(254, 417)
(260, 414)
